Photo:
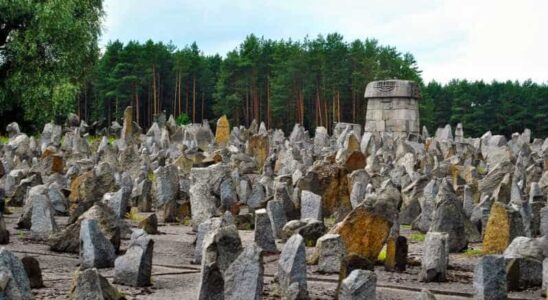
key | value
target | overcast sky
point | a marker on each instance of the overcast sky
(468, 39)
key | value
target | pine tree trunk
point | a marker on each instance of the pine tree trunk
(193, 98)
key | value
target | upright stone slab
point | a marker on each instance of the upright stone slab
(222, 134)
(544, 221)
(435, 257)
(503, 225)
(90, 284)
(292, 269)
(167, 184)
(135, 267)
(221, 248)
(42, 220)
(331, 252)
(311, 206)
(204, 228)
(127, 128)
(96, 251)
(244, 277)
(392, 106)
(449, 217)
(16, 284)
(263, 232)
(360, 284)
(276, 213)
(490, 278)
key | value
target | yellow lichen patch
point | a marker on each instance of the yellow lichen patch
(222, 134)
(390, 260)
(497, 231)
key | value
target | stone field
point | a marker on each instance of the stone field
(187, 212)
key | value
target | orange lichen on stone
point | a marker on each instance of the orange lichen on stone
(363, 232)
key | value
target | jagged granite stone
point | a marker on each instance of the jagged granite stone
(96, 251)
(435, 257)
(360, 284)
(292, 269)
(135, 267)
(244, 277)
(490, 278)
(263, 232)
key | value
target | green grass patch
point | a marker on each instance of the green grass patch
(473, 252)
(152, 177)
(4, 139)
(405, 226)
(417, 237)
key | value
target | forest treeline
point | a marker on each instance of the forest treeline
(50, 65)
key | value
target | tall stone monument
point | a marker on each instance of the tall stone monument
(392, 106)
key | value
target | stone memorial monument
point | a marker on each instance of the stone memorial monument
(392, 106)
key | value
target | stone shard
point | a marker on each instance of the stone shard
(264, 237)
(435, 257)
(150, 224)
(43, 221)
(490, 278)
(449, 217)
(331, 251)
(292, 269)
(360, 284)
(89, 284)
(220, 249)
(135, 267)
(96, 251)
(311, 206)
(13, 270)
(523, 273)
(277, 216)
(244, 277)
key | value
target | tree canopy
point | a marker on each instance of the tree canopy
(48, 49)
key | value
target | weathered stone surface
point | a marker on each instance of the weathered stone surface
(523, 273)
(435, 257)
(258, 147)
(292, 269)
(490, 278)
(311, 206)
(427, 204)
(426, 295)
(353, 262)
(331, 251)
(524, 247)
(43, 221)
(396, 254)
(96, 251)
(244, 277)
(360, 284)
(263, 232)
(222, 133)
(90, 284)
(135, 267)
(18, 284)
(204, 229)
(544, 221)
(167, 185)
(34, 273)
(221, 248)
(68, 239)
(363, 232)
(127, 128)
(449, 217)
(276, 213)
(4, 233)
(201, 199)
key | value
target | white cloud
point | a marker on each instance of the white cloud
(493, 39)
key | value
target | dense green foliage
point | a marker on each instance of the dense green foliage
(50, 65)
(502, 107)
(47, 51)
